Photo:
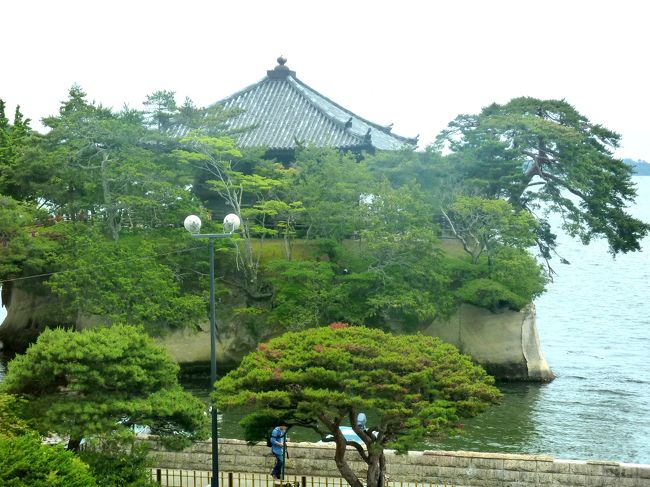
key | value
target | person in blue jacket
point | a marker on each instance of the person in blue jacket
(278, 437)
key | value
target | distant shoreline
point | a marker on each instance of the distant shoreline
(640, 168)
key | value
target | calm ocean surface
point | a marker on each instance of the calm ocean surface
(594, 324)
(594, 327)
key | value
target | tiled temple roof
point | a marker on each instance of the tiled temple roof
(281, 112)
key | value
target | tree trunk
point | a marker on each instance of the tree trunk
(382, 469)
(376, 470)
(74, 444)
(111, 211)
(344, 468)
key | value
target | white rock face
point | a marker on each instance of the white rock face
(506, 343)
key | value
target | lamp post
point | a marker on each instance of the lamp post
(193, 225)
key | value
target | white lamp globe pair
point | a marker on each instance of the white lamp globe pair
(193, 223)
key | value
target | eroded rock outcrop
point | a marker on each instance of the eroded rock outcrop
(506, 343)
(27, 316)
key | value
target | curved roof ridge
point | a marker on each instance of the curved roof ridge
(281, 111)
(331, 118)
(311, 102)
(240, 92)
(384, 128)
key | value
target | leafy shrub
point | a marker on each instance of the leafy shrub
(114, 465)
(518, 271)
(10, 424)
(26, 462)
(490, 294)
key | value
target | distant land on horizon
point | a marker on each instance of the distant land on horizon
(641, 168)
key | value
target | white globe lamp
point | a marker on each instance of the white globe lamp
(231, 223)
(192, 224)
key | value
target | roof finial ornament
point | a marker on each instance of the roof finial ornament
(281, 71)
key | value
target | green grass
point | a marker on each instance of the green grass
(272, 249)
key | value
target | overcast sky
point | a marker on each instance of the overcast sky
(417, 64)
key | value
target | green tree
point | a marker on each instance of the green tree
(415, 386)
(485, 225)
(306, 294)
(16, 221)
(115, 462)
(401, 256)
(543, 156)
(392, 273)
(102, 381)
(254, 195)
(406, 167)
(26, 462)
(161, 110)
(13, 140)
(122, 282)
(106, 168)
(330, 185)
(10, 424)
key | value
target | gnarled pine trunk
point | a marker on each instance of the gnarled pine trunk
(346, 472)
(375, 459)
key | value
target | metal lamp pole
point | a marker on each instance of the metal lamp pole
(193, 225)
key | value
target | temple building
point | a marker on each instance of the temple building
(282, 113)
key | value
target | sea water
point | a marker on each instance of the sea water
(594, 327)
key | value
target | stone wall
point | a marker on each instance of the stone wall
(447, 468)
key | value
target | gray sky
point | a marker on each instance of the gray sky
(417, 64)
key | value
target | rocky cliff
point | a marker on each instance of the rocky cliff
(27, 316)
(505, 343)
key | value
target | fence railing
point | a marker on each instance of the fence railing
(168, 477)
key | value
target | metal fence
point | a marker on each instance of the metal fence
(201, 478)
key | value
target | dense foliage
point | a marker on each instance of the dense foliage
(414, 387)
(91, 213)
(122, 281)
(543, 156)
(26, 462)
(103, 381)
(11, 424)
(91, 218)
(114, 462)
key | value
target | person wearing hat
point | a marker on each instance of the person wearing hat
(278, 436)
